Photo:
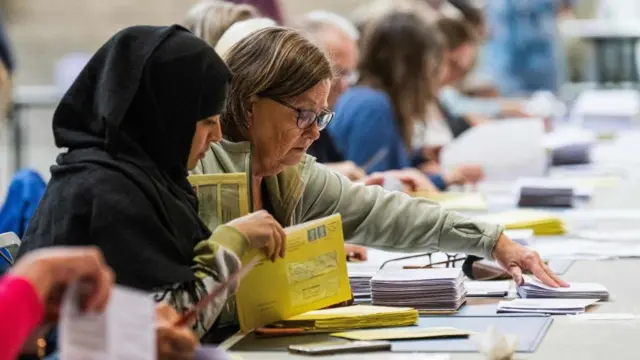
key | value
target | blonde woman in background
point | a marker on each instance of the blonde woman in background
(210, 19)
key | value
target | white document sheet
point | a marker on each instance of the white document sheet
(499, 288)
(125, 331)
(546, 306)
(505, 149)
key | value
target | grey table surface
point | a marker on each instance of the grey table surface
(567, 337)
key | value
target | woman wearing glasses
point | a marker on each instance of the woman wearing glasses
(276, 108)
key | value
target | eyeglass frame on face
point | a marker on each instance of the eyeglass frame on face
(316, 116)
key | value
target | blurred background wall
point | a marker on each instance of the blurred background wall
(42, 31)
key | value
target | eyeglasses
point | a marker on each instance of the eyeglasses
(451, 261)
(306, 118)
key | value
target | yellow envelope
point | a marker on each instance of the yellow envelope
(402, 334)
(313, 275)
(460, 201)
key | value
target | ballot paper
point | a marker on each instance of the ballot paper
(458, 201)
(360, 282)
(580, 188)
(499, 288)
(518, 153)
(580, 249)
(422, 289)
(403, 334)
(125, 330)
(535, 289)
(629, 235)
(546, 306)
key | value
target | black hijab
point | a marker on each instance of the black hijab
(128, 122)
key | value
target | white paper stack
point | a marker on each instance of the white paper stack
(534, 289)
(546, 306)
(360, 282)
(423, 289)
(499, 288)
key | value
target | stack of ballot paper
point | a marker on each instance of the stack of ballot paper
(460, 201)
(546, 306)
(533, 288)
(499, 288)
(351, 317)
(542, 223)
(438, 289)
(360, 282)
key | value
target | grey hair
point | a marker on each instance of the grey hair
(209, 19)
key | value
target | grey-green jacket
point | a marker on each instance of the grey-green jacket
(371, 216)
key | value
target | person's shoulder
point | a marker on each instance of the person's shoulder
(367, 95)
(88, 181)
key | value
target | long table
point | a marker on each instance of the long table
(569, 338)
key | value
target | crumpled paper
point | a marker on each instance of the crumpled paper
(496, 345)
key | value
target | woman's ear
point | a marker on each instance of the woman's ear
(252, 103)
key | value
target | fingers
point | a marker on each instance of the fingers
(516, 273)
(270, 249)
(283, 240)
(175, 343)
(555, 277)
(99, 297)
(539, 272)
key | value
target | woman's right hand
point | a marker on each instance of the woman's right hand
(349, 169)
(465, 174)
(263, 231)
(51, 270)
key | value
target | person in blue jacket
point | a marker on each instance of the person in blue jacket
(524, 52)
(398, 71)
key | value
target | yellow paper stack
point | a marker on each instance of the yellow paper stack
(352, 317)
(457, 201)
(541, 222)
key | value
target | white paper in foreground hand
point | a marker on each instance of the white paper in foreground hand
(495, 345)
(126, 330)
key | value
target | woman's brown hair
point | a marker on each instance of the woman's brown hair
(274, 62)
(401, 55)
(209, 19)
(456, 33)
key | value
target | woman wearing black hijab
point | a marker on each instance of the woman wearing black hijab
(138, 117)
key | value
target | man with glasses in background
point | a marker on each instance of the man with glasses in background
(339, 38)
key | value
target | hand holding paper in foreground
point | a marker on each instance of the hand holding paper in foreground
(515, 258)
(50, 271)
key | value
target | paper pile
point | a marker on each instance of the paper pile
(545, 306)
(458, 201)
(532, 288)
(439, 289)
(360, 282)
(499, 288)
(542, 223)
(352, 317)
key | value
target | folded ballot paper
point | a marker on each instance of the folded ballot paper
(533, 288)
(351, 317)
(541, 222)
(438, 289)
(457, 201)
(313, 275)
(360, 281)
(403, 334)
(545, 306)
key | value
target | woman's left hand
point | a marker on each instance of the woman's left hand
(173, 342)
(355, 252)
(515, 259)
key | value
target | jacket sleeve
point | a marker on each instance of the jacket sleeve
(374, 217)
(215, 260)
(21, 310)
